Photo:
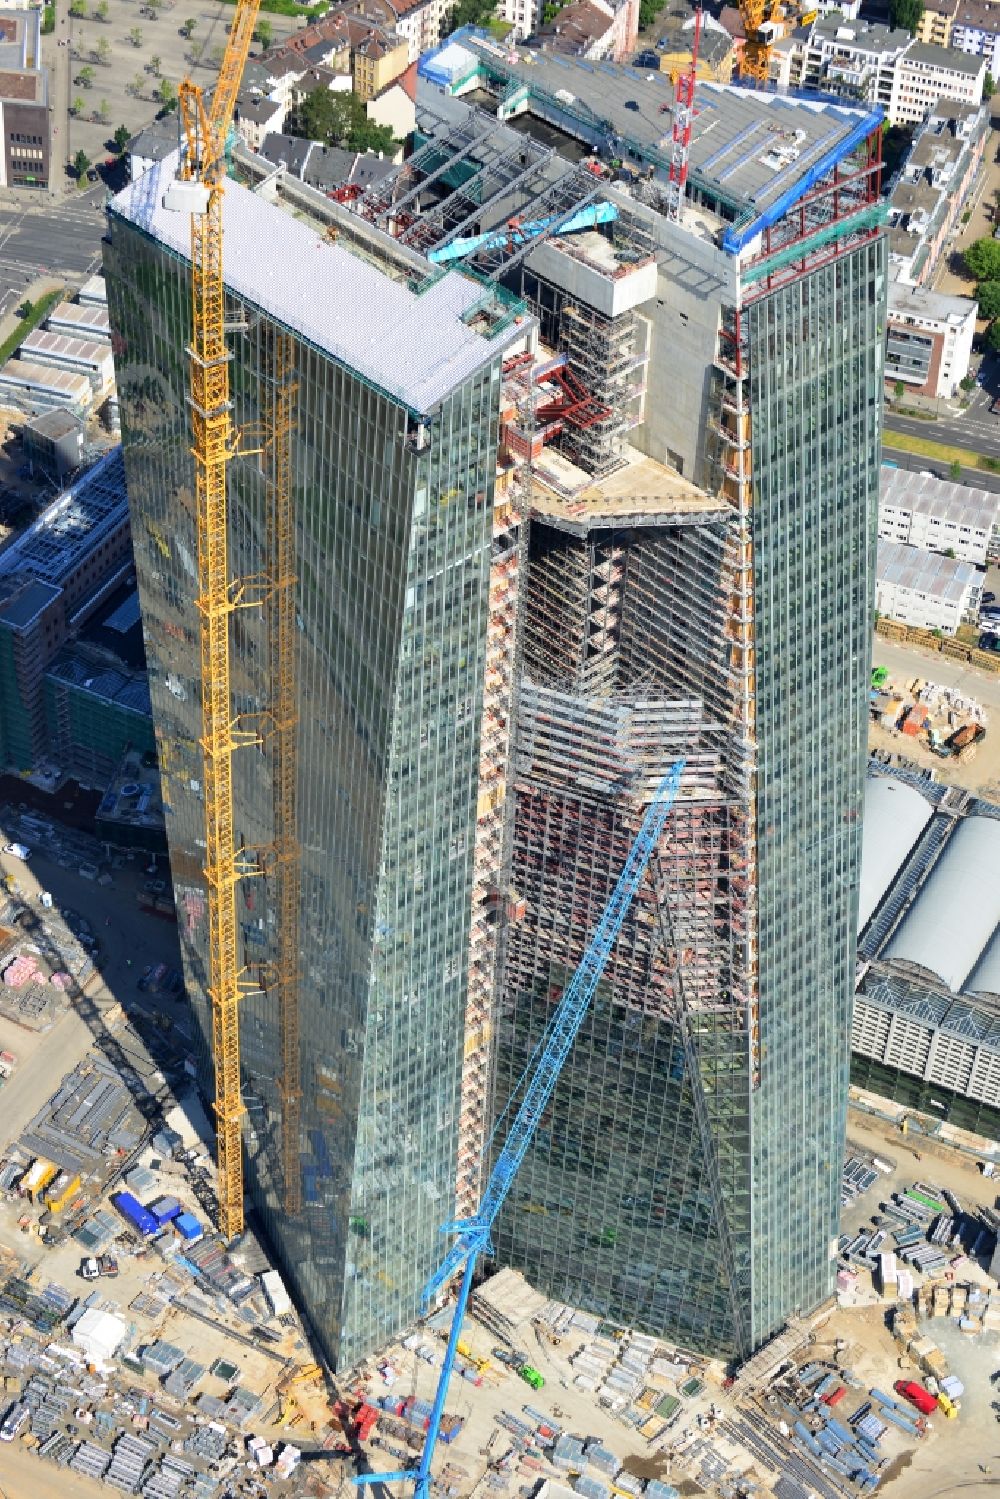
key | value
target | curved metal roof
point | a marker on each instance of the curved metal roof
(952, 920)
(895, 816)
(985, 977)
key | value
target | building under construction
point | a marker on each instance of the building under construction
(584, 465)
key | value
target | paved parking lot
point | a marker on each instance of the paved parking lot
(130, 55)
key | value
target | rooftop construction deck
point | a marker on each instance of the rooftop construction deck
(414, 346)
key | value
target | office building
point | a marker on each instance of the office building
(73, 692)
(929, 338)
(712, 1071)
(24, 101)
(610, 379)
(393, 463)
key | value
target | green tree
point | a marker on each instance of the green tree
(988, 296)
(470, 13)
(135, 36)
(906, 14)
(104, 112)
(954, 473)
(992, 339)
(78, 8)
(989, 86)
(154, 64)
(77, 107)
(81, 165)
(166, 93)
(26, 308)
(137, 85)
(899, 390)
(121, 138)
(264, 32)
(982, 259)
(103, 51)
(340, 119)
(102, 10)
(85, 77)
(188, 28)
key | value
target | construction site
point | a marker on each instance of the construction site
(512, 897)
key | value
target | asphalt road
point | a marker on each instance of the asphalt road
(61, 239)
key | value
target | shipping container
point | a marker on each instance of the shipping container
(133, 1211)
(61, 1191)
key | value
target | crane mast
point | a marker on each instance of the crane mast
(474, 1233)
(200, 187)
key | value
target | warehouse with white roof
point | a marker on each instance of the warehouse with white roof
(926, 1027)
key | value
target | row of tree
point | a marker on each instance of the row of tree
(982, 263)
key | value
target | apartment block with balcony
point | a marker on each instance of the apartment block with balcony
(933, 187)
(936, 20)
(976, 31)
(867, 61)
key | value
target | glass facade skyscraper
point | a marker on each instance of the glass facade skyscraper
(393, 459)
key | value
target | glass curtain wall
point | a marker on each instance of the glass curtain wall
(816, 368)
(391, 561)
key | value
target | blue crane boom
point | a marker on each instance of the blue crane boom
(519, 234)
(474, 1233)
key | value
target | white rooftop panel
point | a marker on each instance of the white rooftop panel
(923, 572)
(952, 920)
(895, 816)
(415, 348)
(924, 495)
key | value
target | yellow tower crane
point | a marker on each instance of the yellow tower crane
(756, 55)
(199, 190)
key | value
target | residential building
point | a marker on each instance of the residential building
(396, 105)
(928, 341)
(716, 49)
(378, 61)
(926, 1028)
(865, 60)
(257, 118)
(72, 693)
(925, 589)
(589, 28)
(613, 36)
(933, 187)
(936, 19)
(976, 30)
(24, 101)
(937, 515)
(150, 145)
(711, 1072)
(393, 465)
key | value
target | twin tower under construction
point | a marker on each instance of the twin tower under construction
(565, 510)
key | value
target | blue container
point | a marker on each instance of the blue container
(133, 1211)
(188, 1227)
